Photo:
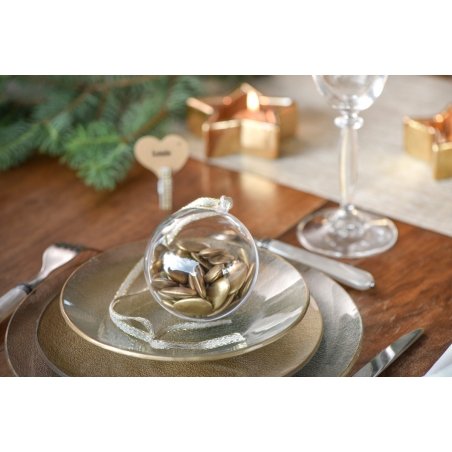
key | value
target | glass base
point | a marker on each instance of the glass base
(346, 233)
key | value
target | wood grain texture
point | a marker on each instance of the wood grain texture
(413, 290)
(43, 202)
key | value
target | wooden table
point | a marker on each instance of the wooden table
(43, 202)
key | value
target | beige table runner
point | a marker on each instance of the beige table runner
(390, 181)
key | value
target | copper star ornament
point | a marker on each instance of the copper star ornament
(431, 139)
(243, 121)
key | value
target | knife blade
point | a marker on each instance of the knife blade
(343, 273)
(387, 356)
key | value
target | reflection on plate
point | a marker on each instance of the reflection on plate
(279, 301)
(68, 354)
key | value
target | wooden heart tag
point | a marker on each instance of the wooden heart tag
(154, 154)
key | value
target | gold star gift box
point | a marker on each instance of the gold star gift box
(430, 139)
(244, 121)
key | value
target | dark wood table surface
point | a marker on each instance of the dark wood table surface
(42, 202)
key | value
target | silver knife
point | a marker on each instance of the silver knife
(378, 364)
(344, 273)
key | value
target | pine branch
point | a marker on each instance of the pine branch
(113, 109)
(91, 122)
(162, 114)
(102, 104)
(183, 88)
(52, 124)
(103, 172)
(16, 143)
(99, 155)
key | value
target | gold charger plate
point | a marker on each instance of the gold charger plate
(278, 302)
(68, 354)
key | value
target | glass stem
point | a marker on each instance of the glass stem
(349, 123)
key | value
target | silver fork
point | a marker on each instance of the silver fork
(54, 257)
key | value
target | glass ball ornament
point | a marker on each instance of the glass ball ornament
(201, 263)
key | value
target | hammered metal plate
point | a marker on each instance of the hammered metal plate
(279, 300)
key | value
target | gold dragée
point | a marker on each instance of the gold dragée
(227, 279)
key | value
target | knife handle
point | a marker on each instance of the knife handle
(343, 273)
(11, 300)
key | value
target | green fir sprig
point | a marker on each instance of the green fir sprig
(89, 122)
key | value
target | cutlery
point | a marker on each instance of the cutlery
(54, 257)
(387, 356)
(343, 273)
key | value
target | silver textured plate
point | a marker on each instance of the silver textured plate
(278, 302)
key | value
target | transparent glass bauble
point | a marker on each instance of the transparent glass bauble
(201, 263)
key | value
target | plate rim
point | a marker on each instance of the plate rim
(210, 357)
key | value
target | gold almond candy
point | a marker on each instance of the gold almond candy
(178, 276)
(224, 306)
(162, 283)
(246, 285)
(218, 291)
(236, 275)
(243, 256)
(165, 297)
(200, 286)
(154, 271)
(228, 300)
(178, 292)
(168, 304)
(200, 269)
(214, 273)
(183, 254)
(191, 281)
(193, 306)
(217, 284)
(158, 251)
(191, 245)
(202, 261)
(210, 252)
(225, 236)
(223, 258)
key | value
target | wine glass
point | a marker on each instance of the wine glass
(345, 231)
